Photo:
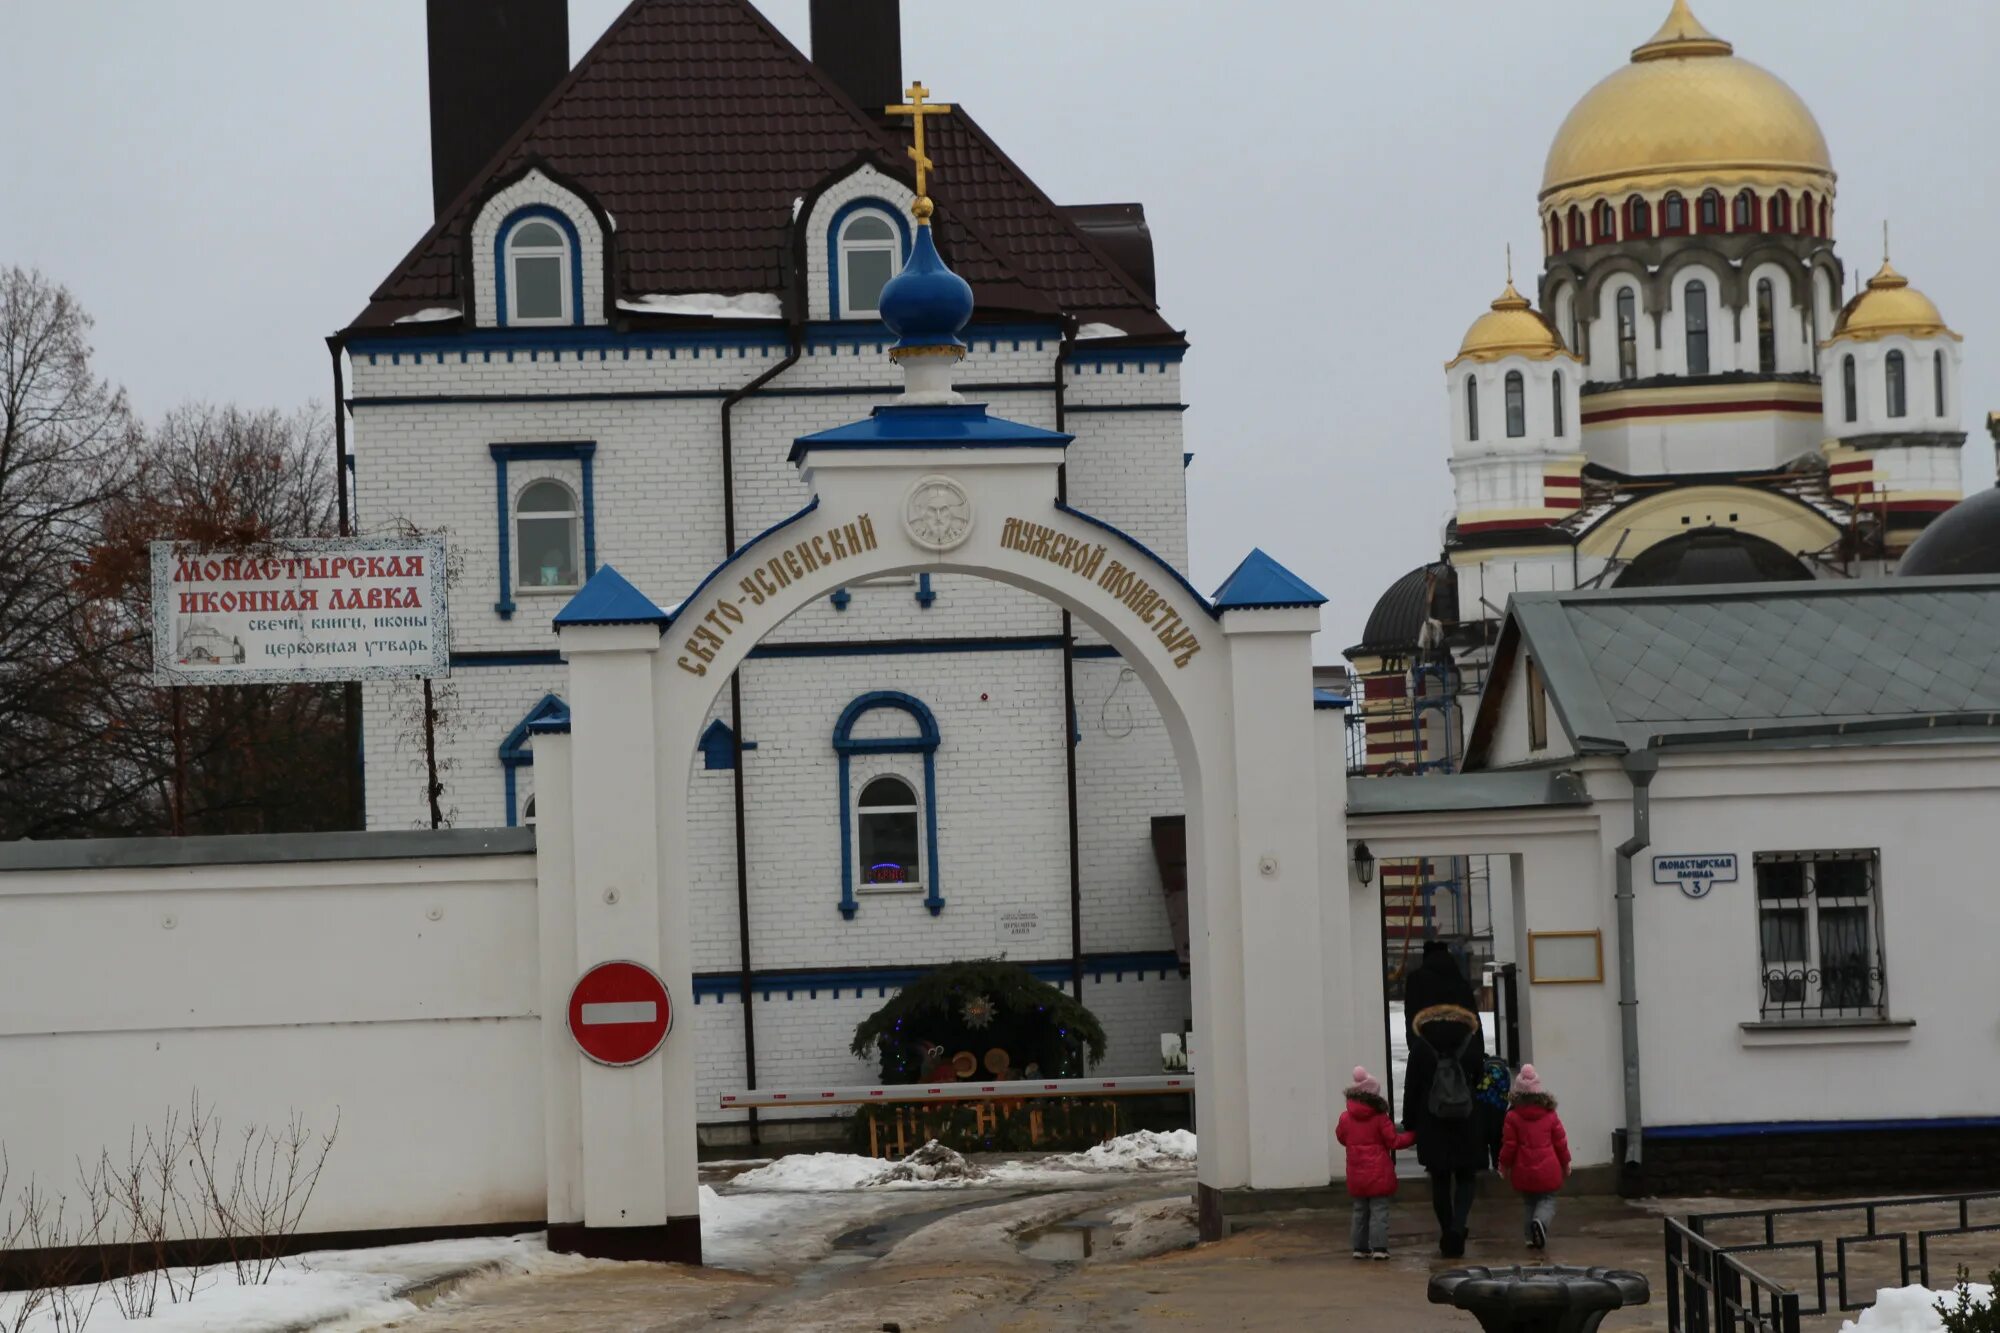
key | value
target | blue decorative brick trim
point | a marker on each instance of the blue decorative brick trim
(581, 450)
(1099, 357)
(832, 983)
(718, 746)
(925, 593)
(840, 597)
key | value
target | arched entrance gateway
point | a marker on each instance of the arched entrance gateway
(931, 483)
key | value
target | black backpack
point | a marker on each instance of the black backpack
(1451, 1094)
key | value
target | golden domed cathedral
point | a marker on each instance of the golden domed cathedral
(1686, 402)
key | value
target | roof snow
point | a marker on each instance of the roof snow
(744, 305)
(429, 314)
(1099, 331)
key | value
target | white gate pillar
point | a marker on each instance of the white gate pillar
(1282, 1004)
(638, 1201)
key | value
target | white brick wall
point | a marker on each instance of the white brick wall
(651, 406)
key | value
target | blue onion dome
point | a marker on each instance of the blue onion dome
(926, 304)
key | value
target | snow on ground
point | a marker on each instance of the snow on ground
(356, 1288)
(1156, 1226)
(744, 305)
(1143, 1151)
(1911, 1309)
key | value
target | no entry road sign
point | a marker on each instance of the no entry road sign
(619, 1013)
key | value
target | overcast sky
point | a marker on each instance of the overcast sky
(1330, 186)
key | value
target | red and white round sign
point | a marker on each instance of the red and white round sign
(619, 1013)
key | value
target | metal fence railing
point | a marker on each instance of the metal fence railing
(1712, 1288)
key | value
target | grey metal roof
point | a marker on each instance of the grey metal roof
(1504, 789)
(1627, 667)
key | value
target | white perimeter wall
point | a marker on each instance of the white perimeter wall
(397, 993)
(1929, 809)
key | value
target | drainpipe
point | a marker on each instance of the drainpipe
(1069, 722)
(795, 347)
(1641, 769)
(350, 692)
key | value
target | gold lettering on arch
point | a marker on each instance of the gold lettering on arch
(1078, 556)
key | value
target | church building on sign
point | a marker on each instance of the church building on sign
(601, 355)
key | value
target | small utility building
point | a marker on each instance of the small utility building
(1742, 837)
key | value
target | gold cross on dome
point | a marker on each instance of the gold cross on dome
(917, 109)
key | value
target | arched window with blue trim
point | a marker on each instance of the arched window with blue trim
(516, 753)
(888, 826)
(867, 243)
(539, 261)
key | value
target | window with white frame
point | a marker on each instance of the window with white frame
(1819, 935)
(886, 838)
(546, 524)
(870, 255)
(538, 263)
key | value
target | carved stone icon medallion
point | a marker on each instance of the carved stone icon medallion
(937, 514)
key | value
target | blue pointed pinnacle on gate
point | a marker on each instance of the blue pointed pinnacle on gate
(1262, 583)
(610, 599)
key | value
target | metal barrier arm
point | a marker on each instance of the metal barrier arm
(1138, 1085)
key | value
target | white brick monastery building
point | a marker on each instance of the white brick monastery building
(601, 354)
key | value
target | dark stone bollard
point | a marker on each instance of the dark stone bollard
(1551, 1298)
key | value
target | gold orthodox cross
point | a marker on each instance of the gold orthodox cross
(916, 109)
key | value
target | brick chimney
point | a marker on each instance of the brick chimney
(492, 62)
(859, 45)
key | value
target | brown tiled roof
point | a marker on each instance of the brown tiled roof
(695, 123)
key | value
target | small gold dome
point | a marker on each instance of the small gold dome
(1685, 112)
(1510, 328)
(1889, 305)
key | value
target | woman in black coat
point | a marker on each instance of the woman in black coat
(1453, 1151)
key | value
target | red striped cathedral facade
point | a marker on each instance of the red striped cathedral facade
(1689, 401)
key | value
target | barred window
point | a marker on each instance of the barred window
(1819, 935)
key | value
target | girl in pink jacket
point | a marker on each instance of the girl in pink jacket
(1534, 1153)
(1369, 1134)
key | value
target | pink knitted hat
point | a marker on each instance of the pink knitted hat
(1529, 1081)
(1366, 1082)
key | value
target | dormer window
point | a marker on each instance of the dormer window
(870, 254)
(538, 260)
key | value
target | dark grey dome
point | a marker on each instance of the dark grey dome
(1964, 539)
(1428, 592)
(1712, 555)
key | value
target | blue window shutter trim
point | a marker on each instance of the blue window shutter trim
(925, 742)
(584, 452)
(507, 225)
(505, 606)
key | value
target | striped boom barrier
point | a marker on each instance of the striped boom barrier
(958, 1092)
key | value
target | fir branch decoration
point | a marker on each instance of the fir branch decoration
(1035, 1023)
